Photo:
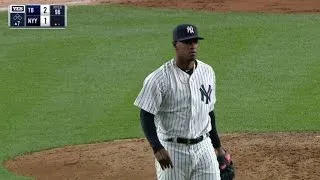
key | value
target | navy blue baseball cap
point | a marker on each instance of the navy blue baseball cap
(185, 32)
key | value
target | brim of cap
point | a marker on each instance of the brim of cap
(190, 37)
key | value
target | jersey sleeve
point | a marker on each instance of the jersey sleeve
(213, 91)
(150, 96)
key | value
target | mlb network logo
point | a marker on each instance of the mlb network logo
(17, 8)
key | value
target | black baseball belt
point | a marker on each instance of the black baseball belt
(188, 141)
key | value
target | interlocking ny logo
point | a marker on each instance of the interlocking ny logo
(205, 93)
(190, 29)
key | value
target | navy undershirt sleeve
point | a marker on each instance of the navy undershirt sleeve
(149, 129)
(215, 140)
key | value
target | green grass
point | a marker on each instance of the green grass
(77, 85)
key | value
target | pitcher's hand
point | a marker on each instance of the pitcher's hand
(163, 158)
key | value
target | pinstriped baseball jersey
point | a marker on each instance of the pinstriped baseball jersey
(180, 102)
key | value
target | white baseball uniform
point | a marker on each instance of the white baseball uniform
(181, 104)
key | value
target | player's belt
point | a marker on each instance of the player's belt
(188, 141)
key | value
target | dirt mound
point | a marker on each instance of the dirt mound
(256, 156)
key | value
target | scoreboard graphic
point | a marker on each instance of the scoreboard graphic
(37, 16)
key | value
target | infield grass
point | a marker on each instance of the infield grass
(72, 86)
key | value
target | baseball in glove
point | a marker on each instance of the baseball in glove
(226, 166)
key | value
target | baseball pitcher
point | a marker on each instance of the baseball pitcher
(177, 115)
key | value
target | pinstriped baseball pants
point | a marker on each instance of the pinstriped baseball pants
(190, 162)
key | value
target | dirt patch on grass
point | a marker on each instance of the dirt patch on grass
(276, 156)
(276, 6)
(256, 156)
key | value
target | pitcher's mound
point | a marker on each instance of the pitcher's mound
(256, 156)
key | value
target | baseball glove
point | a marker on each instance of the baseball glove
(226, 166)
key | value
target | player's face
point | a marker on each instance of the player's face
(187, 49)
